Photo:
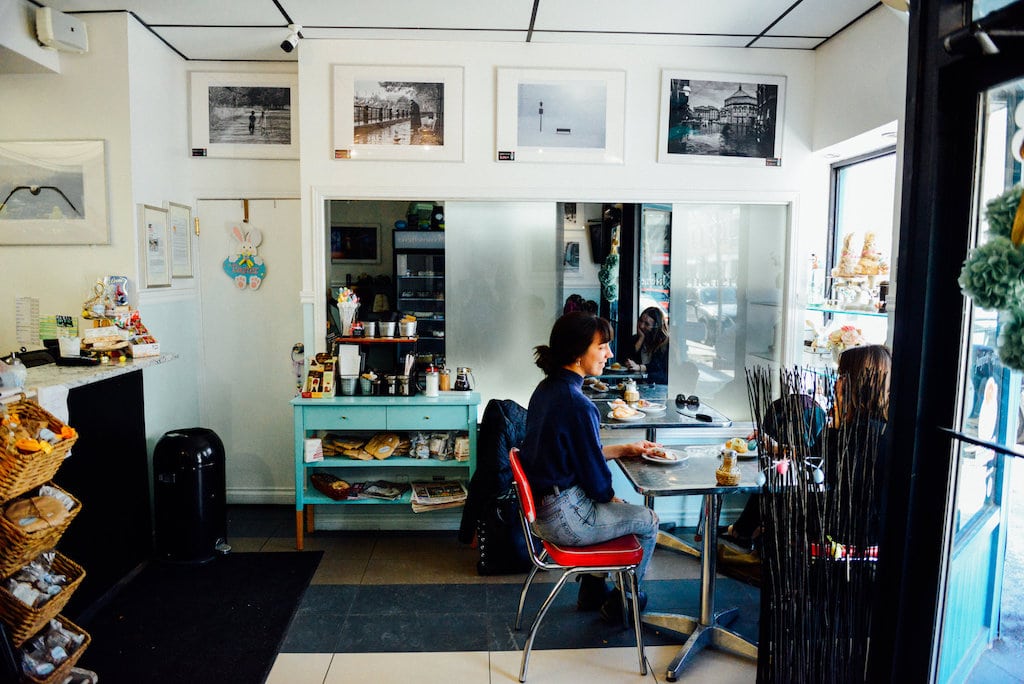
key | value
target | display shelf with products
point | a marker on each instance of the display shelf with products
(365, 416)
(420, 284)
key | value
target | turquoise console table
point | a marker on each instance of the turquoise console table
(366, 416)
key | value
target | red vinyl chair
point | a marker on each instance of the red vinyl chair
(620, 555)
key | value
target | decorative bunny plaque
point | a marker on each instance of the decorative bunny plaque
(245, 268)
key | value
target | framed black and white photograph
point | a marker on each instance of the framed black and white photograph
(716, 118)
(571, 257)
(155, 244)
(355, 243)
(179, 228)
(551, 115)
(53, 193)
(245, 116)
(398, 113)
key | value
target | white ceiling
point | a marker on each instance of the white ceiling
(252, 30)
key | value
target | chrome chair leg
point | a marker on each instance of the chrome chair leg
(522, 596)
(635, 590)
(536, 623)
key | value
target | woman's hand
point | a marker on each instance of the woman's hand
(628, 450)
(632, 365)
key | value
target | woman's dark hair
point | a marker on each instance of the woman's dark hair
(659, 331)
(571, 335)
(864, 373)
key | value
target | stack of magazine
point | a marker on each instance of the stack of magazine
(433, 496)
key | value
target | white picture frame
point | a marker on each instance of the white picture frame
(179, 228)
(53, 193)
(155, 246)
(693, 105)
(376, 107)
(244, 116)
(579, 116)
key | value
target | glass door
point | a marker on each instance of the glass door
(988, 404)
(954, 401)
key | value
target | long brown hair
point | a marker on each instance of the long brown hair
(571, 335)
(862, 387)
(658, 336)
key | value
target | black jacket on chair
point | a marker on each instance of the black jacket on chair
(502, 427)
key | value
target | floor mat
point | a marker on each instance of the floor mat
(219, 622)
(348, 618)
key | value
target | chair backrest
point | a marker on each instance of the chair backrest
(522, 485)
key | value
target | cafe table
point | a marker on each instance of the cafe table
(695, 476)
(700, 417)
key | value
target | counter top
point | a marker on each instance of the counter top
(51, 374)
(445, 398)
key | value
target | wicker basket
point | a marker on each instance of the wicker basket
(21, 472)
(18, 547)
(62, 670)
(24, 621)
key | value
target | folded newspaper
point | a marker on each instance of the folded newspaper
(432, 496)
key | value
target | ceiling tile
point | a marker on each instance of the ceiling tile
(746, 17)
(475, 14)
(820, 17)
(596, 38)
(206, 12)
(256, 44)
(790, 42)
(413, 34)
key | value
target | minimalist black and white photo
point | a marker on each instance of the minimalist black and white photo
(243, 115)
(722, 118)
(562, 114)
(397, 113)
(53, 193)
(250, 115)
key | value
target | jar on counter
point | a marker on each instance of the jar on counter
(631, 395)
(445, 380)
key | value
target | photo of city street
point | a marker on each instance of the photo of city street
(397, 113)
(722, 118)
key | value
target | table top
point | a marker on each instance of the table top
(695, 475)
(671, 417)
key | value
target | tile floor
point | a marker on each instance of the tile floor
(392, 559)
(365, 559)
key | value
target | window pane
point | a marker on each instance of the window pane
(728, 263)
(655, 257)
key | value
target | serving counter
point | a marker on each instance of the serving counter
(107, 470)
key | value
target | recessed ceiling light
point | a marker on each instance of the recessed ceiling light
(831, 155)
(889, 134)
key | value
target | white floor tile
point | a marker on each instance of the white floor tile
(299, 668)
(402, 668)
(570, 666)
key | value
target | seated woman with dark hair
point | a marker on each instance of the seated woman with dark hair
(566, 463)
(648, 350)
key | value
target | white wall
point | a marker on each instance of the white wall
(860, 78)
(478, 176)
(71, 106)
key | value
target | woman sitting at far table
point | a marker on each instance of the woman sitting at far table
(566, 463)
(648, 350)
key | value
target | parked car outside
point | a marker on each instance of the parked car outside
(713, 306)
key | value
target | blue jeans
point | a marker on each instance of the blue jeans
(571, 518)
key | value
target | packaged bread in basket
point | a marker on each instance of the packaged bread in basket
(33, 444)
(34, 595)
(47, 658)
(33, 523)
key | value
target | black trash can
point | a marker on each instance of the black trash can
(188, 496)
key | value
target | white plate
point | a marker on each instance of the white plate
(631, 419)
(652, 408)
(679, 458)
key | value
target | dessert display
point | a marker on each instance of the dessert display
(740, 445)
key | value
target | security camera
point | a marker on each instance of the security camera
(292, 41)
